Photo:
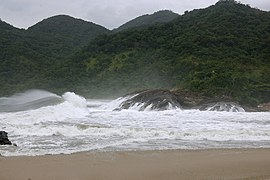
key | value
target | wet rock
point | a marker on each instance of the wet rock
(4, 138)
(160, 99)
(188, 99)
(264, 107)
(151, 100)
(222, 106)
(194, 100)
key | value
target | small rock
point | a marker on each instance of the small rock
(4, 138)
(264, 107)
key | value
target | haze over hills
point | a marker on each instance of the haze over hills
(220, 50)
(149, 19)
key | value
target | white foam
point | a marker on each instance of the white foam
(114, 104)
(71, 127)
(75, 99)
(30, 122)
(229, 107)
(137, 106)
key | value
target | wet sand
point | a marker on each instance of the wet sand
(165, 165)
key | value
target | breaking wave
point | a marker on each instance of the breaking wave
(35, 99)
(229, 107)
(31, 99)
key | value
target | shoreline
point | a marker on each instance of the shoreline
(158, 164)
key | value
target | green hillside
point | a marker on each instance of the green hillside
(149, 19)
(221, 50)
(30, 58)
(64, 34)
(13, 45)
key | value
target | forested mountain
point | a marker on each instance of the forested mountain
(9, 33)
(29, 58)
(221, 50)
(64, 34)
(13, 45)
(149, 19)
(67, 26)
(5, 26)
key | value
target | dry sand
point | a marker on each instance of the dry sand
(165, 165)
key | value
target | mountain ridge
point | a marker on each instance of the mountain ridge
(161, 16)
(67, 29)
(67, 25)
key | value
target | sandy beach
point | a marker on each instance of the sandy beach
(175, 164)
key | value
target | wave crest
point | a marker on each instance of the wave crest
(31, 99)
(35, 99)
(75, 99)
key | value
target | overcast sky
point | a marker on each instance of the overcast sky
(108, 13)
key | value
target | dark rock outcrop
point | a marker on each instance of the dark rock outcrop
(264, 107)
(4, 138)
(151, 100)
(188, 99)
(192, 100)
(160, 99)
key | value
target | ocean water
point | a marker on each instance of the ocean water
(41, 122)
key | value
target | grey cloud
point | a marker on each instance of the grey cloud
(114, 14)
(261, 4)
(109, 13)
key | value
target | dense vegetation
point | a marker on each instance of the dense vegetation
(30, 58)
(63, 34)
(149, 19)
(221, 50)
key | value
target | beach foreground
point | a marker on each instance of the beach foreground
(175, 164)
